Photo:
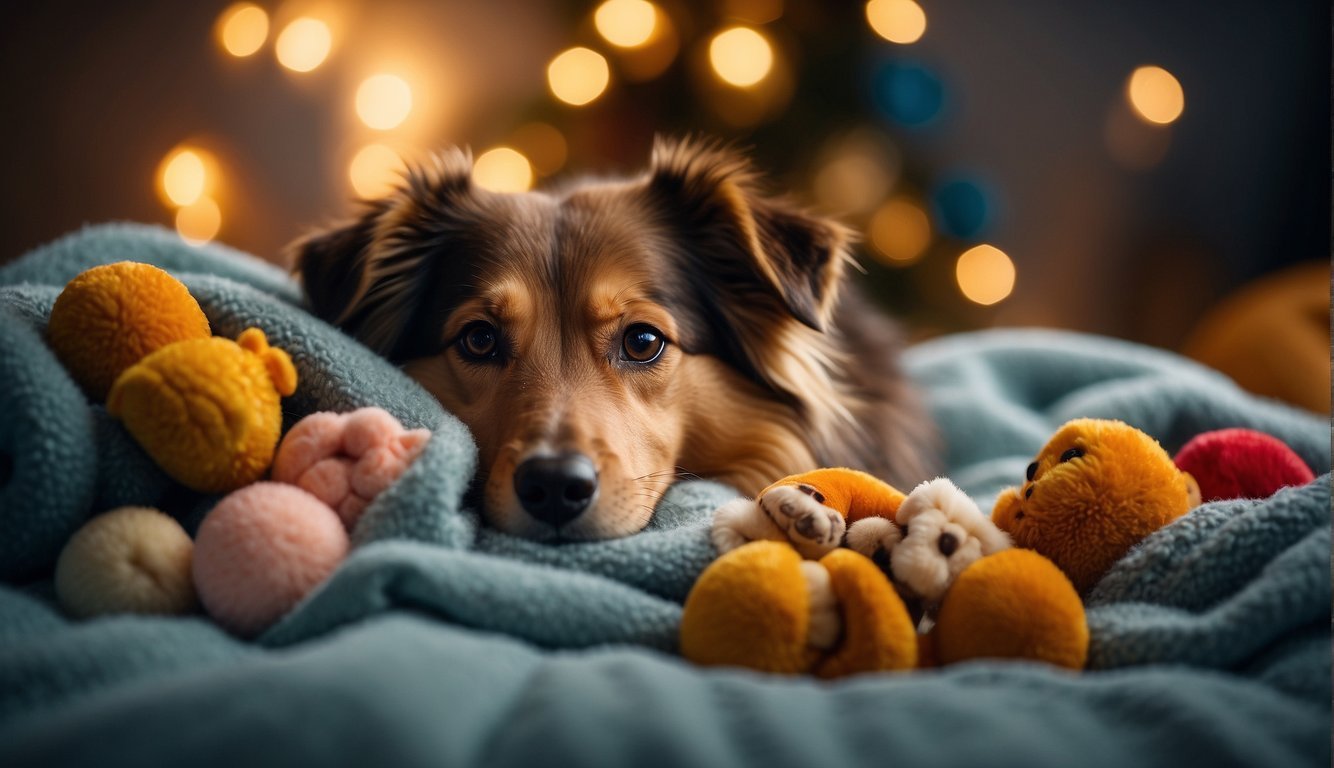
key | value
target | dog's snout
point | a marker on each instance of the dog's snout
(556, 489)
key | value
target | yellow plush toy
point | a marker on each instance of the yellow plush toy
(207, 410)
(762, 606)
(109, 317)
(1096, 489)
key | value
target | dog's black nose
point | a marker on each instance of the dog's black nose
(556, 489)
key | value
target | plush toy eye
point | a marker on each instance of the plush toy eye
(642, 344)
(1072, 454)
(1032, 470)
(947, 543)
(480, 342)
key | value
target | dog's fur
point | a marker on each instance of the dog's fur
(769, 369)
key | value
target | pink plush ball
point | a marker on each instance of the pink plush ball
(260, 551)
(1241, 464)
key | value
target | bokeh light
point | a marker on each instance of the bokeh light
(898, 21)
(626, 23)
(543, 145)
(578, 76)
(985, 274)
(304, 44)
(856, 173)
(503, 169)
(964, 207)
(741, 56)
(374, 170)
(899, 232)
(199, 222)
(1155, 95)
(182, 176)
(242, 29)
(909, 92)
(384, 101)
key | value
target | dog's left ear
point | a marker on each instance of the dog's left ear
(734, 231)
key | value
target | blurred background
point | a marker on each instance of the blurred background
(1117, 168)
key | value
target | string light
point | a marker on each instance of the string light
(384, 101)
(242, 29)
(374, 170)
(900, 231)
(304, 44)
(578, 76)
(182, 177)
(626, 23)
(1155, 95)
(199, 222)
(898, 21)
(741, 56)
(985, 274)
(503, 169)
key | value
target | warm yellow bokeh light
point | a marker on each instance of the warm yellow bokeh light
(741, 56)
(985, 274)
(384, 101)
(374, 170)
(199, 222)
(242, 29)
(900, 232)
(898, 21)
(183, 177)
(578, 75)
(503, 169)
(304, 44)
(1155, 95)
(626, 23)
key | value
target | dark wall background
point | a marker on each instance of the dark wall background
(96, 94)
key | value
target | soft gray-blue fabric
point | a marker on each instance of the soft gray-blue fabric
(442, 642)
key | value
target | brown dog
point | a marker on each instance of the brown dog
(605, 338)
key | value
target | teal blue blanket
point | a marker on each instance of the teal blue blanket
(441, 642)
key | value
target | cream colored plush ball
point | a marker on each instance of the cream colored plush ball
(129, 560)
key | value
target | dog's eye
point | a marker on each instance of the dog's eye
(642, 344)
(1071, 454)
(480, 341)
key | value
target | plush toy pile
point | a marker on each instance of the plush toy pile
(833, 572)
(207, 410)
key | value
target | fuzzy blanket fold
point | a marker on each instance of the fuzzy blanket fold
(440, 641)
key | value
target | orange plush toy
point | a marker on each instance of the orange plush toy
(762, 606)
(1097, 488)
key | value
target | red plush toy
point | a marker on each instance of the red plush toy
(1241, 464)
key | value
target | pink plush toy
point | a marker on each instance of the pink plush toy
(347, 459)
(260, 551)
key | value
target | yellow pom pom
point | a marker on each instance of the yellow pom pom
(1015, 604)
(750, 608)
(110, 317)
(206, 410)
(130, 560)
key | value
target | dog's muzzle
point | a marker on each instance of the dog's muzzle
(556, 489)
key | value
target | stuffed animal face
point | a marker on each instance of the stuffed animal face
(943, 532)
(1095, 490)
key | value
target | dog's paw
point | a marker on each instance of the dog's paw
(874, 537)
(810, 526)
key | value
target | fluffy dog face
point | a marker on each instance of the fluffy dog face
(600, 339)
